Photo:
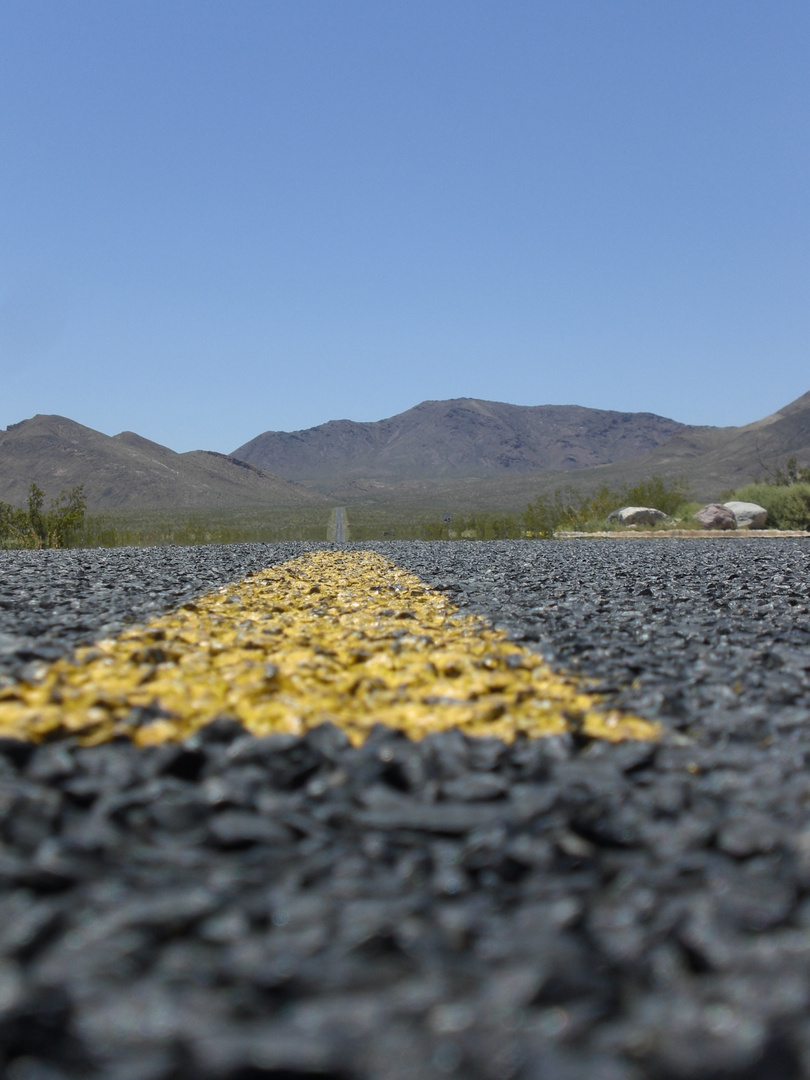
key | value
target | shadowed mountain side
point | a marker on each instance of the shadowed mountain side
(712, 459)
(458, 438)
(127, 471)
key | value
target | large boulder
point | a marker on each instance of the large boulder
(637, 515)
(716, 516)
(748, 515)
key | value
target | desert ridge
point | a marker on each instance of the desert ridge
(457, 453)
(127, 471)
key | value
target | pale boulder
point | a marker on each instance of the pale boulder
(716, 516)
(748, 515)
(637, 515)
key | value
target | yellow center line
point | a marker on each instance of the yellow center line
(342, 636)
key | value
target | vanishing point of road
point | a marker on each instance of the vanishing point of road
(338, 530)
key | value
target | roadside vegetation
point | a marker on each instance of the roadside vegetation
(569, 510)
(378, 523)
(147, 528)
(785, 494)
(65, 523)
(788, 506)
(36, 526)
(565, 509)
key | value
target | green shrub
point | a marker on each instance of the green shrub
(655, 492)
(15, 528)
(37, 527)
(548, 513)
(788, 505)
(567, 508)
(472, 526)
(148, 528)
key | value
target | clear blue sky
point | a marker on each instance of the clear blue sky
(222, 218)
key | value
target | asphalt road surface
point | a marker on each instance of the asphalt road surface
(563, 908)
(339, 528)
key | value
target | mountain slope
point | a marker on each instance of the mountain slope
(453, 455)
(458, 438)
(716, 459)
(712, 460)
(127, 471)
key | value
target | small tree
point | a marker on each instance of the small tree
(65, 516)
(36, 520)
(40, 528)
(15, 530)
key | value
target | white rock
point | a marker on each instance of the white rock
(637, 515)
(748, 515)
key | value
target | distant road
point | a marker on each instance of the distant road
(338, 530)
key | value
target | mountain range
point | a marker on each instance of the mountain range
(457, 454)
(470, 453)
(458, 438)
(127, 472)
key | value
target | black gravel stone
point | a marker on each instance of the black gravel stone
(239, 907)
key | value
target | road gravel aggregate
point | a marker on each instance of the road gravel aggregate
(235, 907)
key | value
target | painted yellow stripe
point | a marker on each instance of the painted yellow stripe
(341, 636)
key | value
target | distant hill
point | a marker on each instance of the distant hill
(127, 471)
(466, 454)
(463, 437)
(454, 455)
(716, 459)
